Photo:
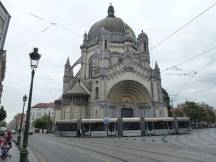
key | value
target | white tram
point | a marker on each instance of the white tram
(129, 126)
(96, 127)
(66, 128)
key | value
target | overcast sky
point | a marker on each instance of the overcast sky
(73, 17)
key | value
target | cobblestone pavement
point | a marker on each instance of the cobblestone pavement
(200, 146)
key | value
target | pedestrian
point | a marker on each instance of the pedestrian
(83, 132)
(80, 131)
(9, 138)
(5, 150)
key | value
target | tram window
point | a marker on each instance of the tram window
(131, 126)
(150, 126)
(86, 127)
(97, 127)
(59, 127)
(171, 124)
(70, 127)
(111, 127)
(160, 125)
(183, 124)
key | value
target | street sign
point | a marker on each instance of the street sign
(106, 120)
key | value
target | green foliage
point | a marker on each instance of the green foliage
(166, 100)
(179, 112)
(45, 122)
(3, 123)
(198, 113)
(3, 113)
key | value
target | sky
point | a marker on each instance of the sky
(187, 59)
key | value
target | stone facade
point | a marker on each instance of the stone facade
(4, 23)
(115, 78)
(15, 123)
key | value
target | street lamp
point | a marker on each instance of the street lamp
(34, 58)
(20, 129)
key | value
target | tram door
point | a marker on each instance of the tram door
(127, 113)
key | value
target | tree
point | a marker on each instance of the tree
(166, 100)
(3, 113)
(198, 114)
(3, 123)
(192, 110)
(38, 123)
(45, 122)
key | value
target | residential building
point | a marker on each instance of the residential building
(41, 109)
(4, 23)
(15, 123)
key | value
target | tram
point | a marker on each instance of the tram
(128, 126)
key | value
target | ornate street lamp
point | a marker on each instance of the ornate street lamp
(20, 129)
(34, 57)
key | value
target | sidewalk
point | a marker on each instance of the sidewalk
(15, 155)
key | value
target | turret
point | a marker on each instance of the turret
(85, 41)
(67, 69)
(157, 70)
(143, 49)
(111, 11)
(68, 73)
(142, 41)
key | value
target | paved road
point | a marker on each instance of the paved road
(200, 146)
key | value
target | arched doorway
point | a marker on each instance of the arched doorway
(127, 96)
(127, 113)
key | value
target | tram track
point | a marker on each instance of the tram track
(195, 147)
(96, 151)
(209, 134)
(122, 146)
(80, 147)
(40, 156)
(127, 151)
(117, 149)
(200, 135)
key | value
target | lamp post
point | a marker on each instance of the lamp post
(20, 129)
(34, 58)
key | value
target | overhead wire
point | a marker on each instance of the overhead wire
(198, 72)
(43, 19)
(175, 67)
(183, 26)
(171, 31)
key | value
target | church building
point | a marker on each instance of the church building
(115, 78)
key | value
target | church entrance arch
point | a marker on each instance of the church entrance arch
(127, 96)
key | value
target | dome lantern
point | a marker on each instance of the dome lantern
(111, 11)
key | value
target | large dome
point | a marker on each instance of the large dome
(111, 24)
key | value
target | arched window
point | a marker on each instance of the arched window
(145, 47)
(105, 44)
(96, 92)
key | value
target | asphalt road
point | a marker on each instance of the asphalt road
(200, 146)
